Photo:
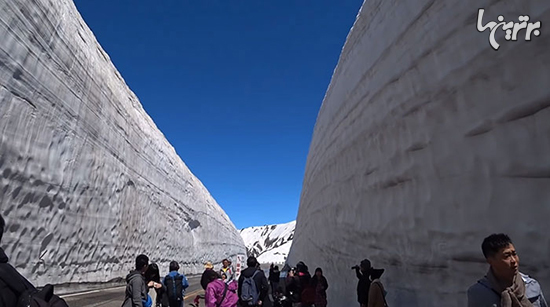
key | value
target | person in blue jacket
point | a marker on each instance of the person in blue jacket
(175, 284)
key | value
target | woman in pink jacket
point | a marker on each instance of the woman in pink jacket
(216, 294)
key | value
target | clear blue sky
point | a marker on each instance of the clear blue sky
(235, 86)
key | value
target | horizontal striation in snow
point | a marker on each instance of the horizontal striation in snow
(427, 141)
(87, 181)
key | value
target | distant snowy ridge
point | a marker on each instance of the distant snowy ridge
(270, 243)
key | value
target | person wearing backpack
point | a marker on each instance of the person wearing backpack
(17, 291)
(175, 284)
(253, 287)
(136, 288)
(218, 293)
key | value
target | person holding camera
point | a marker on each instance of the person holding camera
(362, 272)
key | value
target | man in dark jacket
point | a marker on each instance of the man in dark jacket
(363, 274)
(136, 288)
(260, 281)
(274, 278)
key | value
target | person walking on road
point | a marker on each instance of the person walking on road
(504, 285)
(253, 287)
(175, 284)
(218, 293)
(136, 288)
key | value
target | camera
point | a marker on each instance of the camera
(355, 267)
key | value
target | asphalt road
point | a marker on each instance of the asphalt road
(114, 297)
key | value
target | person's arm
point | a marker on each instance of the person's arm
(358, 273)
(232, 276)
(184, 282)
(136, 292)
(210, 297)
(240, 282)
(325, 281)
(264, 286)
(542, 300)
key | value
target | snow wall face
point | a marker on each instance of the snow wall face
(428, 140)
(87, 181)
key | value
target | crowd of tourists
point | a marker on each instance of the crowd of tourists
(502, 286)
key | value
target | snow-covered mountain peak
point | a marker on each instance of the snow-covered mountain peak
(269, 243)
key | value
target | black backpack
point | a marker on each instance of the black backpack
(42, 298)
(174, 288)
(28, 295)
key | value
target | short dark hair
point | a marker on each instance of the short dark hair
(2, 225)
(141, 262)
(174, 266)
(251, 262)
(494, 243)
(225, 260)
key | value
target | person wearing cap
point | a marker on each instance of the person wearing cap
(377, 293)
(363, 286)
(208, 266)
(177, 282)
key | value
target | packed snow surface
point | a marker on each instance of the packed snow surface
(427, 141)
(271, 243)
(87, 181)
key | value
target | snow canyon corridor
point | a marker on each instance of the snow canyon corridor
(429, 140)
(83, 167)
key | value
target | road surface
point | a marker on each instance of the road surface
(114, 297)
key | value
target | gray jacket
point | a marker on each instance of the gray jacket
(481, 294)
(136, 290)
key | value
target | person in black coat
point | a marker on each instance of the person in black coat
(274, 277)
(363, 286)
(259, 279)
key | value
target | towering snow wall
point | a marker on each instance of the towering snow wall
(87, 181)
(428, 140)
